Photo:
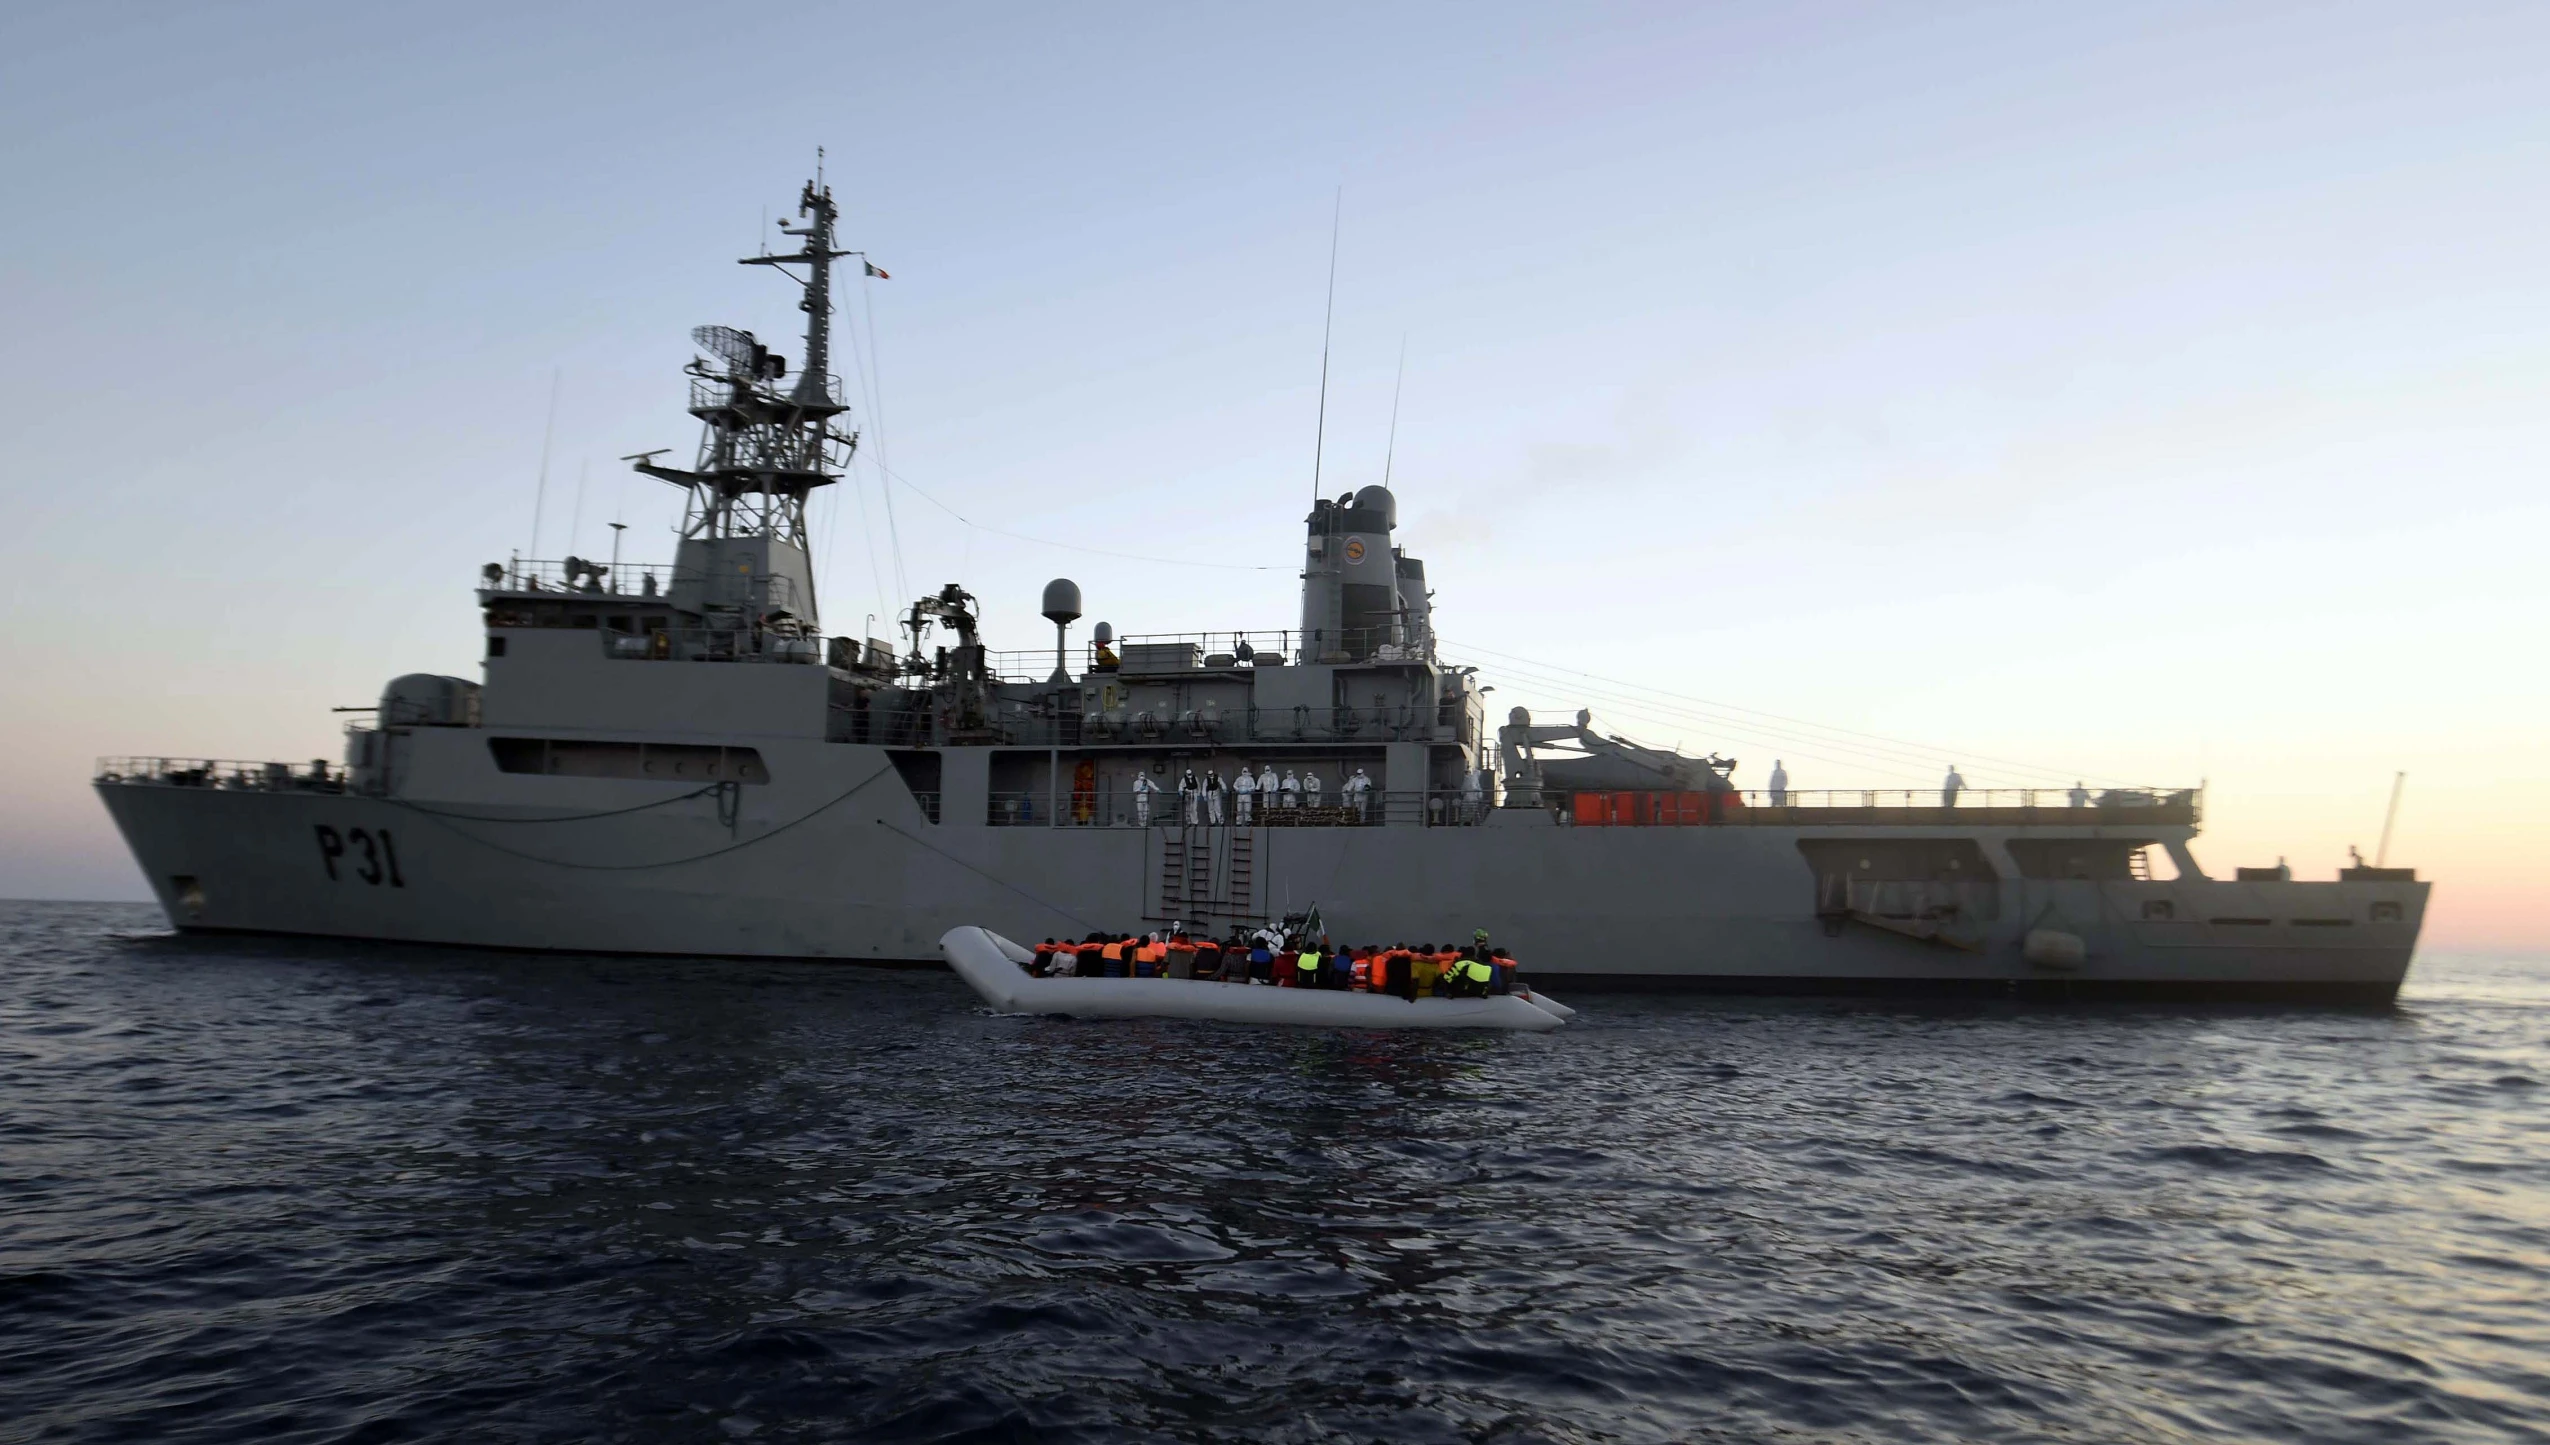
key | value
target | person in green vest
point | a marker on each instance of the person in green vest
(1306, 969)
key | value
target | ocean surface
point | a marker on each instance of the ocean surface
(287, 1191)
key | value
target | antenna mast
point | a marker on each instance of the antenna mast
(1395, 388)
(2382, 851)
(1327, 328)
(762, 450)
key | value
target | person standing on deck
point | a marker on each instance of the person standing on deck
(1310, 788)
(1950, 787)
(1292, 791)
(1779, 784)
(1243, 795)
(1190, 797)
(1472, 795)
(1358, 791)
(1214, 791)
(2079, 797)
(1143, 788)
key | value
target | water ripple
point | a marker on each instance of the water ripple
(282, 1191)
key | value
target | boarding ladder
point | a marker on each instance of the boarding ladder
(1206, 873)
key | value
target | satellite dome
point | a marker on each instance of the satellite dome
(1062, 601)
(1379, 499)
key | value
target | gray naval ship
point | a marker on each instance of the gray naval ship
(678, 760)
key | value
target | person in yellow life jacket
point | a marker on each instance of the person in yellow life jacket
(1469, 977)
(1424, 970)
(1306, 969)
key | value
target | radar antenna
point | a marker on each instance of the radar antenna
(763, 449)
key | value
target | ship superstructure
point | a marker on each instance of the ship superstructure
(678, 759)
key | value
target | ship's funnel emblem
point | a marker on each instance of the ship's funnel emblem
(1354, 549)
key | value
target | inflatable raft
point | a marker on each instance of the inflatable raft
(996, 968)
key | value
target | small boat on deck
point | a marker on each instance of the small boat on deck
(996, 968)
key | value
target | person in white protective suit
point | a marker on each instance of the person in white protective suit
(1310, 788)
(1358, 791)
(1143, 788)
(1214, 788)
(1473, 795)
(1779, 783)
(1292, 790)
(1190, 798)
(1243, 794)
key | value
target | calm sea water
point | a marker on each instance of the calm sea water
(288, 1191)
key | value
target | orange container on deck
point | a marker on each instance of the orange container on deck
(1593, 810)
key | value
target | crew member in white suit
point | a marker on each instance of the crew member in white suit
(1243, 794)
(1310, 788)
(1358, 791)
(1143, 788)
(1292, 790)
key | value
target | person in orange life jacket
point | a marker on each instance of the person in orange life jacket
(1044, 963)
(1181, 957)
(1151, 958)
(1208, 958)
(1111, 959)
(1392, 965)
(1359, 961)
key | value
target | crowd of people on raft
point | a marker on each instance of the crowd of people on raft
(1270, 959)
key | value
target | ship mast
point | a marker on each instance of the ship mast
(762, 449)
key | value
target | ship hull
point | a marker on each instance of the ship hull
(837, 860)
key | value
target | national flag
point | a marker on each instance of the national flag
(874, 269)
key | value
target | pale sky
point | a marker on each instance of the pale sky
(2151, 393)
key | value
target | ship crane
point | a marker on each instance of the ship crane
(1600, 760)
(963, 668)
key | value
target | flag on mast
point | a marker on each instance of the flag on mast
(874, 269)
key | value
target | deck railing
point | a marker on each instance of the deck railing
(315, 776)
(1793, 807)
(627, 579)
(1110, 807)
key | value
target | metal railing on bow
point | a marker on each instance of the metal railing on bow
(315, 776)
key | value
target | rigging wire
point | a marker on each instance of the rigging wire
(1650, 702)
(1070, 546)
(1783, 743)
(738, 845)
(876, 416)
(548, 433)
